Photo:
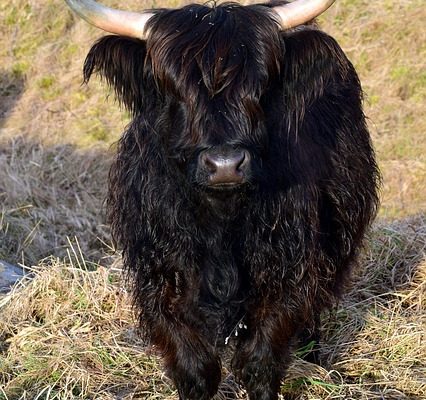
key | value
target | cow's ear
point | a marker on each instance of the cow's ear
(120, 61)
(314, 66)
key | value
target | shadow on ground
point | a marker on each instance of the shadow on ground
(51, 196)
(12, 86)
(48, 195)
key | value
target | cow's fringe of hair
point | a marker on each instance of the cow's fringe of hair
(121, 62)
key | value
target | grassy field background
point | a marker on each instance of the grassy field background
(68, 332)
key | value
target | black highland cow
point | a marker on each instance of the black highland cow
(242, 187)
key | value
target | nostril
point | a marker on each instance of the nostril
(243, 161)
(210, 163)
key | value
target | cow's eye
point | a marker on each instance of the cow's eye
(182, 160)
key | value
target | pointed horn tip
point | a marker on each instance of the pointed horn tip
(299, 12)
(125, 23)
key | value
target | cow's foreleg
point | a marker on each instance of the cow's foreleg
(261, 358)
(309, 338)
(189, 360)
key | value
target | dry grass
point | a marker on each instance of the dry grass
(68, 331)
(48, 193)
(386, 40)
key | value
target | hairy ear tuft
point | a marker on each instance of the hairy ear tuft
(314, 64)
(120, 61)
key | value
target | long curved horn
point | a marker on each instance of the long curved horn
(300, 11)
(124, 23)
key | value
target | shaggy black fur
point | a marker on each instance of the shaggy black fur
(273, 253)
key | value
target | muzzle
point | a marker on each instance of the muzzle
(224, 167)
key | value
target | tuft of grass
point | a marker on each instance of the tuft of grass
(46, 82)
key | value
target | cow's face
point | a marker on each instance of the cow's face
(222, 92)
(212, 69)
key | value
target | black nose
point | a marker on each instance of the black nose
(225, 167)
